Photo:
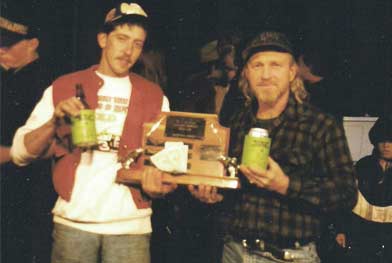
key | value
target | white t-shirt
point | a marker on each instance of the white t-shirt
(98, 204)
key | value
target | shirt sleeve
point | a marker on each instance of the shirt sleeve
(331, 183)
(41, 114)
(165, 104)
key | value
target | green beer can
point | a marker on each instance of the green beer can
(256, 149)
(83, 129)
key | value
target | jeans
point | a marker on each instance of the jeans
(234, 252)
(72, 245)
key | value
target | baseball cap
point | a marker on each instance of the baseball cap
(209, 52)
(381, 131)
(267, 41)
(123, 10)
(11, 32)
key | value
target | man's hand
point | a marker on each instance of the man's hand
(205, 193)
(4, 154)
(341, 240)
(153, 184)
(273, 179)
(38, 141)
(68, 107)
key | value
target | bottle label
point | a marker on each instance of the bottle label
(83, 129)
(255, 152)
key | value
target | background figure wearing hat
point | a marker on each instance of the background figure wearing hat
(96, 219)
(371, 241)
(184, 227)
(205, 91)
(27, 194)
(309, 170)
(22, 75)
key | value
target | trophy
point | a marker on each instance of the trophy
(191, 147)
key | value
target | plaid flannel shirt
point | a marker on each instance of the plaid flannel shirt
(312, 150)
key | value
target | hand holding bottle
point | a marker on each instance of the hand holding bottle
(83, 125)
(68, 108)
(81, 116)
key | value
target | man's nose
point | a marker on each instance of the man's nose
(129, 49)
(266, 73)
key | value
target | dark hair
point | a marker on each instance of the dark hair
(152, 66)
(132, 20)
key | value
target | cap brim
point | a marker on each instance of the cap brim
(130, 18)
(263, 48)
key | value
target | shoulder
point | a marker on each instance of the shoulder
(366, 162)
(315, 115)
(317, 123)
(73, 76)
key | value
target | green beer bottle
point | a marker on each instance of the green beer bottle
(83, 126)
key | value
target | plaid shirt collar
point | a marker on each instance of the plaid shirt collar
(292, 111)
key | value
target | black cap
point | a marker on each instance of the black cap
(267, 41)
(11, 32)
(381, 131)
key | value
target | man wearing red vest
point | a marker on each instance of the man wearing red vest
(96, 219)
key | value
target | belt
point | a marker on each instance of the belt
(291, 243)
(265, 248)
(258, 245)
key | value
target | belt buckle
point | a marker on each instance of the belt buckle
(256, 244)
(261, 246)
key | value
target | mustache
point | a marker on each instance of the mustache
(128, 59)
(266, 83)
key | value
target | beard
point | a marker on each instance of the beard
(269, 96)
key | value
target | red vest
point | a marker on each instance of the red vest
(145, 105)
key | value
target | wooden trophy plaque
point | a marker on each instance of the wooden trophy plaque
(207, 143)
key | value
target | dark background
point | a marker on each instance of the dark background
(355, 36)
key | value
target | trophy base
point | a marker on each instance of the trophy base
(127, 176)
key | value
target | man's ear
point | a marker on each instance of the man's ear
(102, 39)
(293, 71)
(245, 72)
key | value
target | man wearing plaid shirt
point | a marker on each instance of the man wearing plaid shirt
(275, 217)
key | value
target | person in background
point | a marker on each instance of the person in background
(208, 90)
(152, 66)
(321, 85)
(22, 74)
(275, 216)
(95, 218)
(184, 228)
(26, 192)
(322, 88)
(367, 233)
